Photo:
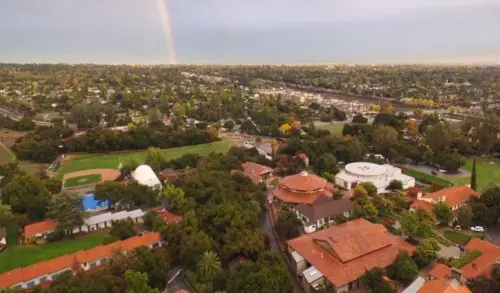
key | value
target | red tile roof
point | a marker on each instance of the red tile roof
(254, 171)
(424, 205)
(167, 216)
(38, 228)
(443, 286)
(11, 278)
(440, 271)
(39, 269)
(304, 182)
(343, 252)
(453, 195)
(481, 245)
(482, 265)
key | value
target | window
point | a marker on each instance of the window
(43, 279)
(30, 284)
(157, 244)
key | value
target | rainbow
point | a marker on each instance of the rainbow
(167, 29)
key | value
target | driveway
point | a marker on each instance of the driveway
(493, 235)
(462, 172)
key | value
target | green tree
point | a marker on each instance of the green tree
(112, 191)
(123, 229)
(67, 210)
(426, 252)
(53, 185)
(359, 118)
(268, 275)
(26, 194)
(208, 266)
(473, 183)
(138, 283)
(363, 207)
(288, 225)
(403, 269)
(418, 224)
(152, 262)
(173, 197)
(440, 136)
(395, 185)
(156, 159)
(384, 138)
(359, 191)
(193, 245)
(326, 163)
(370, 188)
(373, 279)
(5, 213)
(179, 110)
(154, 116)
(443, 212)
(465, 216)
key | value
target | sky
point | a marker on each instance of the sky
(249, 32)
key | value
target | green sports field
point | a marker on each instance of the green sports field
(335, 129)
(113, 160)
(487, 170)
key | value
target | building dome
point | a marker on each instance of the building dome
(365, 169)
(146, 176)
(303, 183)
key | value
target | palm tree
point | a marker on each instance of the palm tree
(208, 265)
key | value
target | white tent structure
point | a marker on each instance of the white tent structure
(146, 176)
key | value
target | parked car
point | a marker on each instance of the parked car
(477, 229)
(442, 170)
(458, 228)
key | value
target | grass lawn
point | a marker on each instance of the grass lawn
(112, 160)
(460, 237)
(335, 129)
(17, 256)
(487, 170)
(465, 259)
(426, 178)
(6, 154)
(82, 180)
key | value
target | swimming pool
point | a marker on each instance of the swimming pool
(91, 204)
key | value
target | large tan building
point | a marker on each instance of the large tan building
(337, 257)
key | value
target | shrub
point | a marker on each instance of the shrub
(55, 236)
(395, 185)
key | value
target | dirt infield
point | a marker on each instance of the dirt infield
(106, 174)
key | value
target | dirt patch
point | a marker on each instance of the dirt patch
(106, 174)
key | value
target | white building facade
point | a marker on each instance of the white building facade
(379, 175)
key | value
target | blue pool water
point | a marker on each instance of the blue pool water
(91, 204)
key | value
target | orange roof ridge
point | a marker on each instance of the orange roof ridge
(62, 262)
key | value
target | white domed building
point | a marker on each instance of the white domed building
(379, 175)
(144, 175)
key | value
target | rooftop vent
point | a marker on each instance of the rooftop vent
(304, 173)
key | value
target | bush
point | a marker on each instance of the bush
(55, 236)
(370, 188)
(465, 259)
(328, 176)
(109, 239)
(395, 185)
(359, 118)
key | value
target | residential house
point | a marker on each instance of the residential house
(420, 285)
(3, 237)
(454, 196)
(46, 271)
(169, 217)
(440, 271)
(39, 230)
(322, 212)
(483, 264)
(338, 256)
(257, 173)
(93, 223)
(380, 175)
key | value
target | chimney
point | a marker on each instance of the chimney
(442, 198)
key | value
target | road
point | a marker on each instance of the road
(265, 225)
(176, 281)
